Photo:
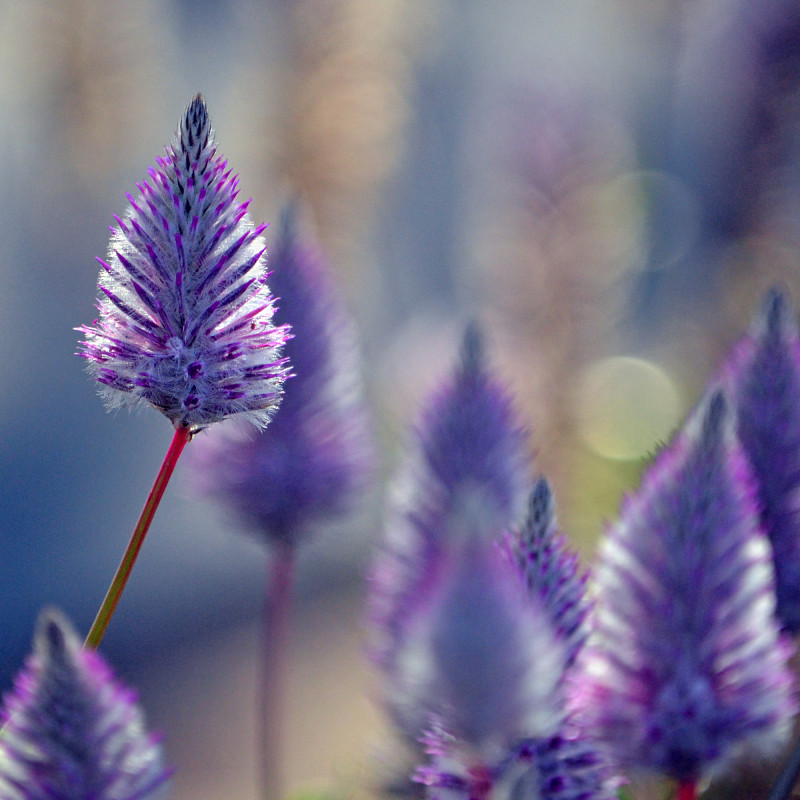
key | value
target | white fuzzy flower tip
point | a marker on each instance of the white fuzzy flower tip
(185, 312)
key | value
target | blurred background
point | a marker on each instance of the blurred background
(608, 187)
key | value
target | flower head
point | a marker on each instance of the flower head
(467, 476)
(686, 669)
(185, 312)
(313, 459)
(764, 374)
(551, 570)
(71, 731)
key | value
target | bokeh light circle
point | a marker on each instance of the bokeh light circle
(625, 407)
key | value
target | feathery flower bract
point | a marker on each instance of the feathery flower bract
(764, 373)
(467, 476)
(71, 731)
(185, 312)
(314, 458)
(551, 570)
(686, 669)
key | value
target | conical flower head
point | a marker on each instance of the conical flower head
(479, 655)
(764, 374)
(686, 669)
(467, 475)
(185, 312)
(551, 569)
(314, 458)
(71, 731)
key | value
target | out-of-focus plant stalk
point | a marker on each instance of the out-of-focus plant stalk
(277, 608)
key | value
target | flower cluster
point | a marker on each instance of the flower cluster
(478, 627)
(501, 677)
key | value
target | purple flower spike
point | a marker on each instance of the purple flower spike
(686, 669)
(185, 312)
(479, 655)
(314, 458)
(764, 372)
(474, 466)
(71, 731)
(467, 477)
(551, 570)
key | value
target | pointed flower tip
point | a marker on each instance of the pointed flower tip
(71, 730)
(776, 311)
(473, 350)
(550, 569)
(715, 416)
(185, 313)
(541, 505)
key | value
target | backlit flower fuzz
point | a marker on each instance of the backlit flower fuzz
(71, 731)
(764, 373)
(185, 312)
(479, 655)
(686, 669)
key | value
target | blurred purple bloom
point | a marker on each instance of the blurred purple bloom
(764, 373)
(315, 457)
(551, 570)
(686, 669)
(479, 655)
(467, 476)
(185, 312)
(71, 731)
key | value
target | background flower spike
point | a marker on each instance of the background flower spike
(466, 474)
(763, 372)
(314, 461)
(551, 569)
(71, 730)
(686, 670)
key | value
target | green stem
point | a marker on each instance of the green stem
(103, 618)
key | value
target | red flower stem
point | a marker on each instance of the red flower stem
(480, 782)
(277, 607)
(103, 618)
(687, 791)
